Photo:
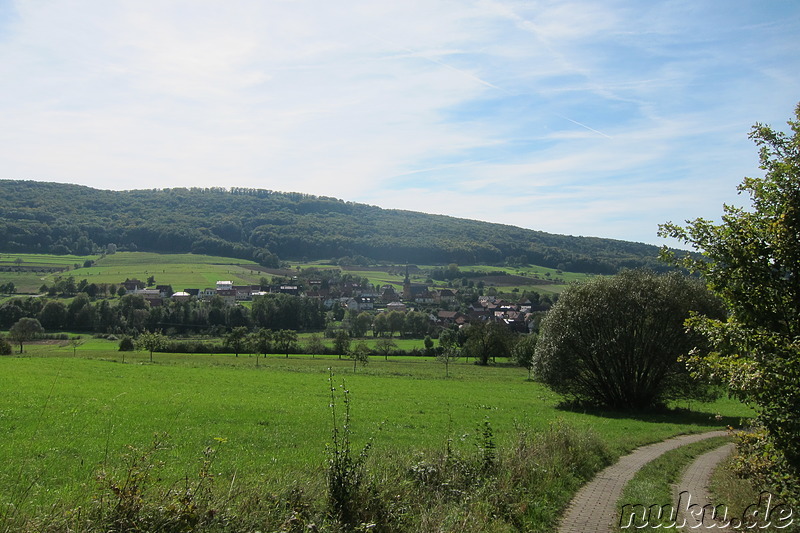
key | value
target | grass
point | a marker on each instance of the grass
(200, 271)
(68, 417)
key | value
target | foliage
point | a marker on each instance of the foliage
(24, 330)
(314, 345)
(523, 351)
(151, 342)
(5, 346)
(284, 340)
(126, 344)
(341, 343)
(615, 341)
(447, 355)
(347, 476)
(385, 346)
(262, 225)
(752, 261)
(236, 339)
(486, 340)
(360, 354)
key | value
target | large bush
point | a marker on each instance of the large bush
(615, 341)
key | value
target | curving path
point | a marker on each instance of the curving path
(695, 483)
(593, 509)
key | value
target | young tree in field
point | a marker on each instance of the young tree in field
(236, 340)
(150, 341)
(447, 356)
(261, 342)
(24, 330)
(522, 352)
(752, 261)
(284, 340)
(385, 346)
(75, 342)
(615, 341)
(314, 345)
(360, 354)
(341, 343)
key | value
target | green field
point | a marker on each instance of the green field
(65, 417)
(179, 270)
(200, 271)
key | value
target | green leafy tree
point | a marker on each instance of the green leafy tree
(150, 341)
(341, 343)
(380, 325)
(752, 261)
(284, 340)
(261, 342)
(522, 352)
(615, 341)
(447, 355)
(359, 324)
(486, 340)
(25, 330)
(360, 354)
(236, 339)
(314, 345)
(5, 347)
(385, 346)
(394, 322)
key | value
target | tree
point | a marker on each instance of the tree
(24, 330)
(486, 340)
(53, 315)
(360, 354)
(447, 356)
(314, 345)
(394, 322)
(752, 261)
(151, 342)
(341, 343)
(5, 347)
(380, 325)
(522, 352)
(261, 342)
(385, 346)
(236, 339)
(75, 342)
(615, 341)
(285, 340)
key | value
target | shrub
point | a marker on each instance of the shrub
(5, 347)
(126, 344)
(615, 341)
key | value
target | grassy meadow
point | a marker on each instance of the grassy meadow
(29, 271)
(66, 417)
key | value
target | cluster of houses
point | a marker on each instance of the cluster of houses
(516, 315)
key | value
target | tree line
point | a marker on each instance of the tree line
(266, 226)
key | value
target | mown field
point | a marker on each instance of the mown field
(67, 417)
(29, 271)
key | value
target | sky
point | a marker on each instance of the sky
(600, 118)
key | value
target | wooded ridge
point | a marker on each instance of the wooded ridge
(268, 226)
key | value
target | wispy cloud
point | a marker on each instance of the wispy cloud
(601, 118)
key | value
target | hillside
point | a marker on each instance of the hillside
(268, 226)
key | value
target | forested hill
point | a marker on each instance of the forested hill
(266, 225)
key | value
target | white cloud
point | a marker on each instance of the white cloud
(584, 114)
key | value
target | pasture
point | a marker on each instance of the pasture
(66, 417)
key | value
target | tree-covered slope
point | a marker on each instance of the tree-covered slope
(266, 225)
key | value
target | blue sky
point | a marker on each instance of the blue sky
(600, 118)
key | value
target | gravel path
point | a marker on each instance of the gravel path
(593, 509)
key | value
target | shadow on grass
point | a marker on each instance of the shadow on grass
(658, 415)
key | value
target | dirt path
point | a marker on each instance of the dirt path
(593, 509)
